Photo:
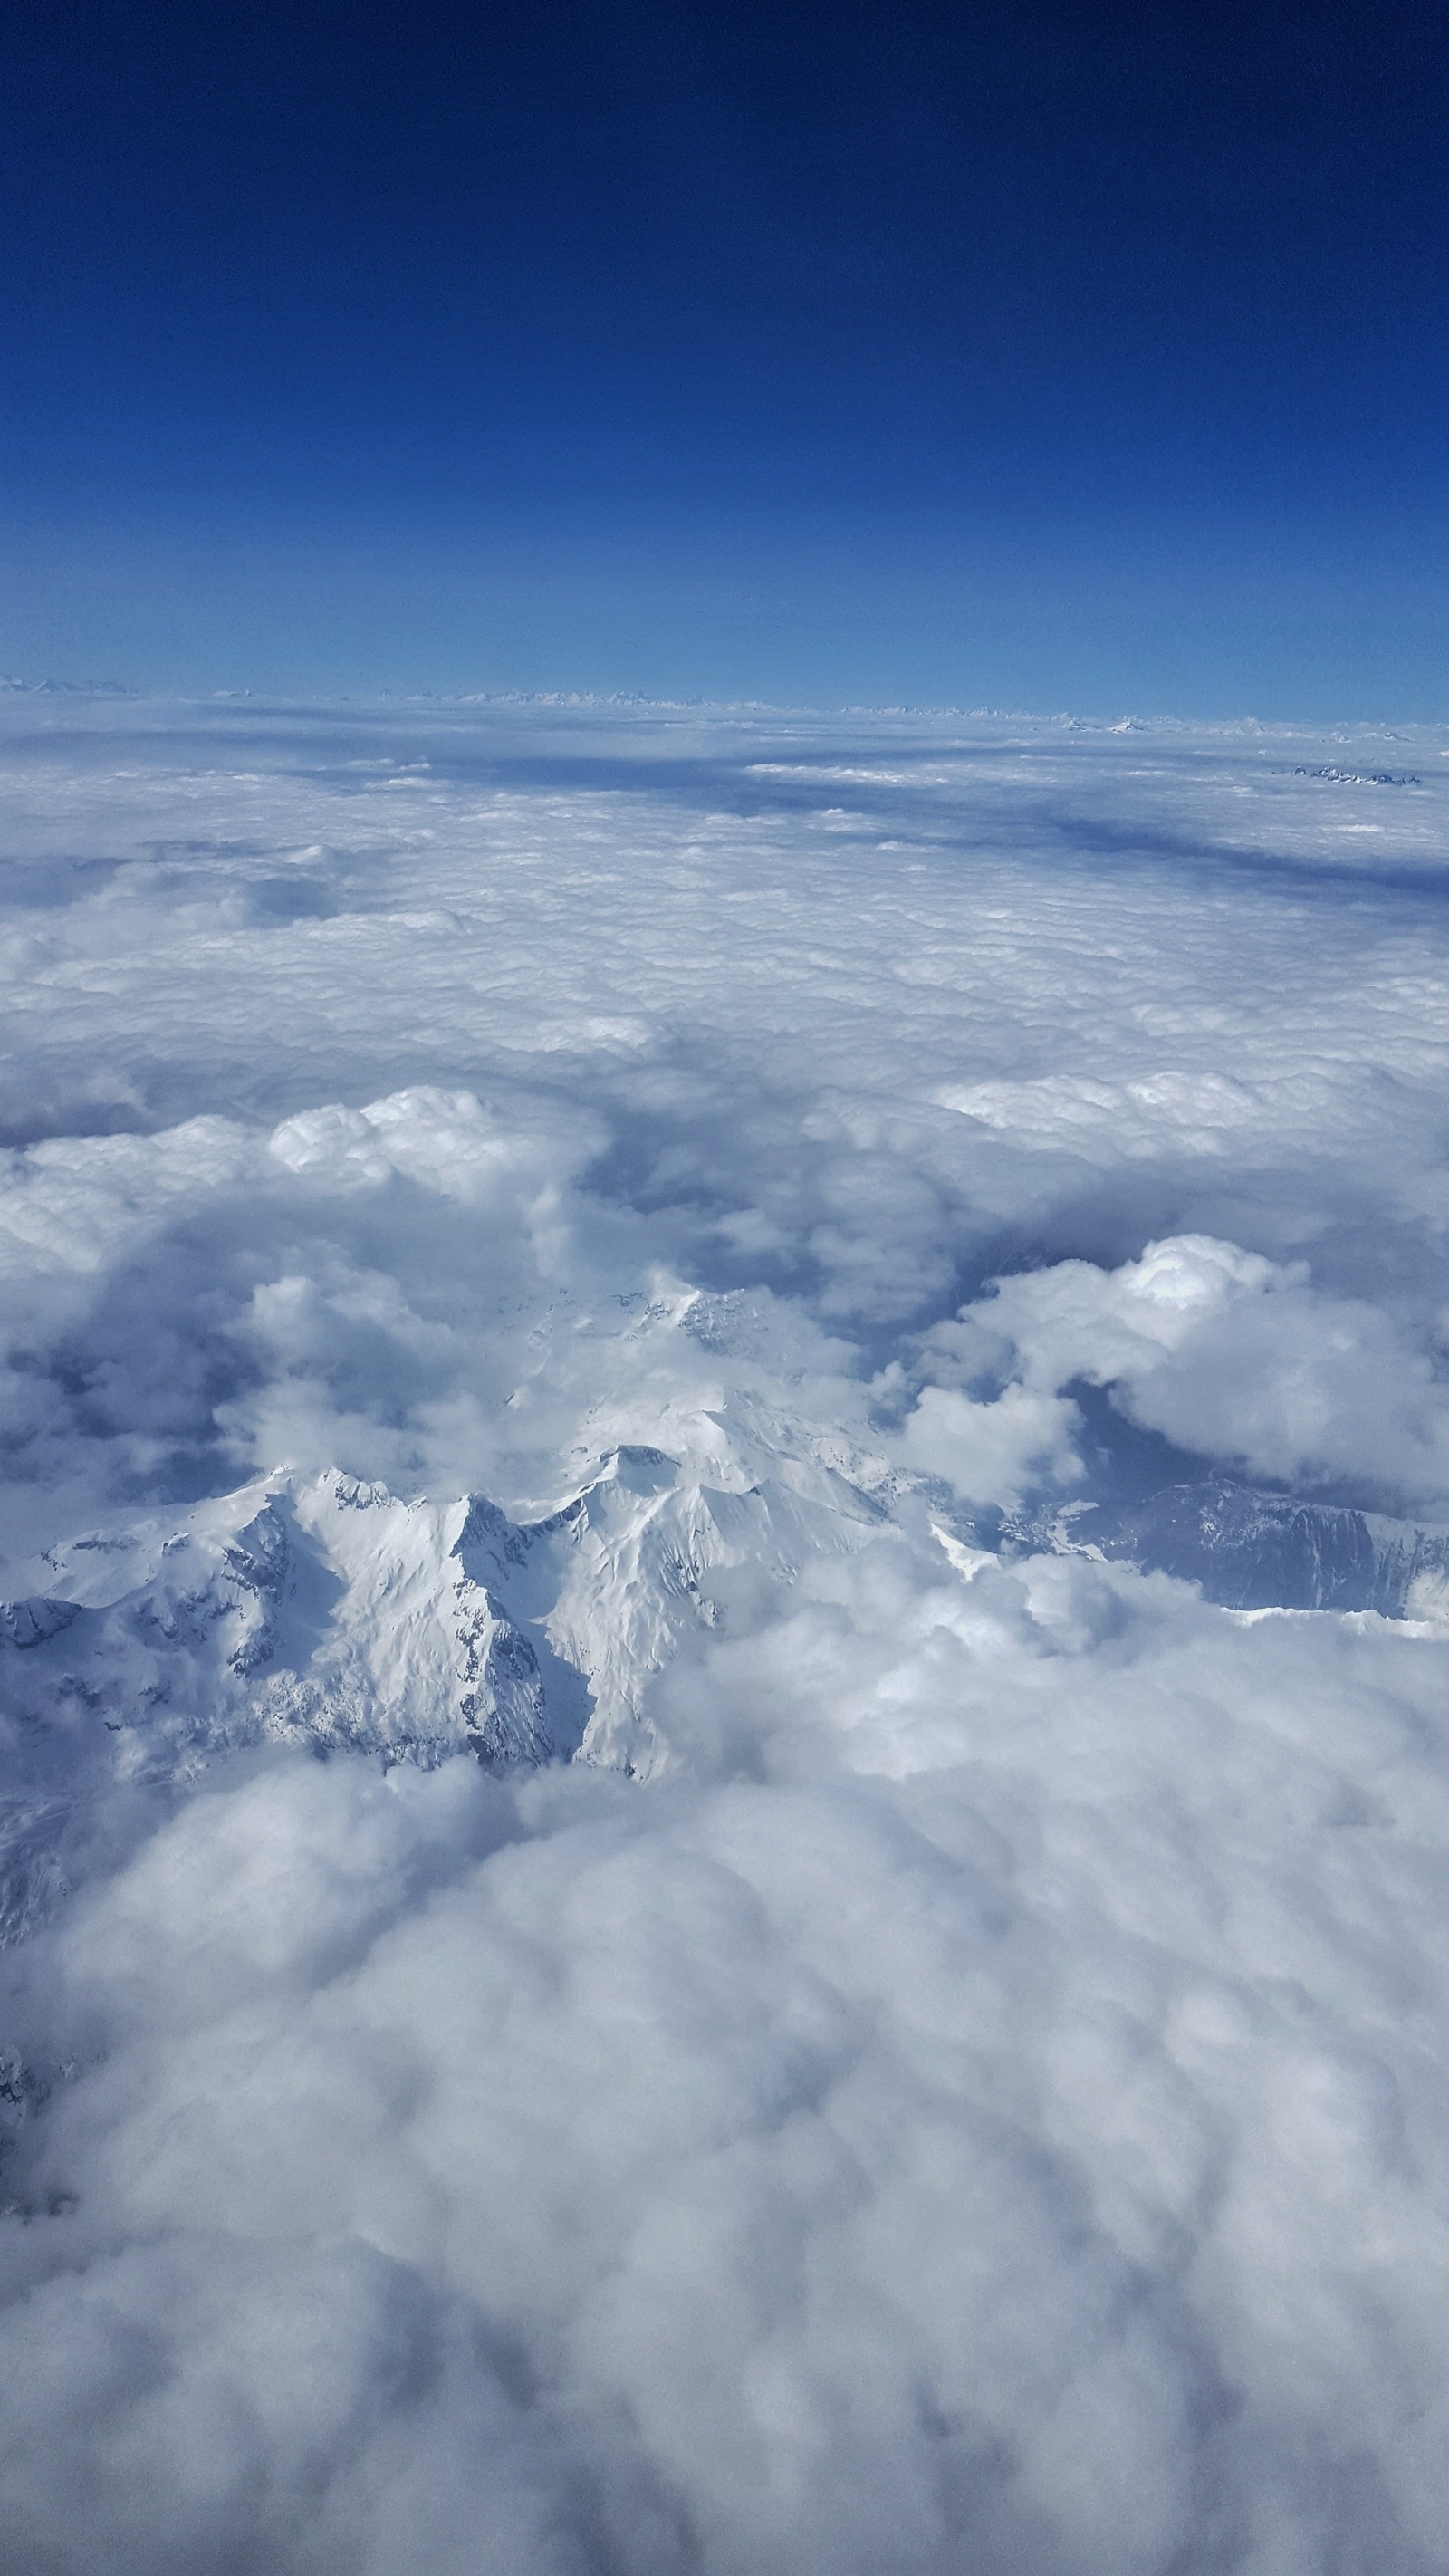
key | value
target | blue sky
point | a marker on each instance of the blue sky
(1032, 355)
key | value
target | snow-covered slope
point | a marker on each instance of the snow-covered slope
(334, 1612)
(625, 1572)
(319, 1607)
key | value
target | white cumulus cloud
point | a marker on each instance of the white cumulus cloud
(677, 1228)
(1227, 1354)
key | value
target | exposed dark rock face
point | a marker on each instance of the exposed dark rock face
(1255, 1551)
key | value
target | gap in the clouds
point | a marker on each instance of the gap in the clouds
(139, 1382)
(685, 1173)
(701, 785)
(658, 1169)
(51, 884)
(1082, 841)
(277, 902)
(1125, 1463)
(64, 1118)
(318, 884)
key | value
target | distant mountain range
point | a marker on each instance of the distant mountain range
(66, 688)
(1255, 1551)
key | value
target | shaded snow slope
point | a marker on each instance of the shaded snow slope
(1258, 1551)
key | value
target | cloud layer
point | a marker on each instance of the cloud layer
(979, 2100)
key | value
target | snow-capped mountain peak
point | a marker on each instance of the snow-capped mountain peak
(325, 1610)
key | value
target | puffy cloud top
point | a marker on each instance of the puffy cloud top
(643, 1933)
(1229, 1355)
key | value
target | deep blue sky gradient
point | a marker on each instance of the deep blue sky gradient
(1045, 355)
